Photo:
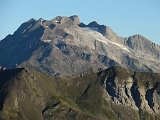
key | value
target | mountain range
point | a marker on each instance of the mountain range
(63, 69)
(63, 42)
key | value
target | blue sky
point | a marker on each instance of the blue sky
(125, 17)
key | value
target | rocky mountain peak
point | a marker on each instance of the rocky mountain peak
(57, 19)
(41, 20)
(31, 20)
(139, 38)
(106, 31)
(140, 43)
(75, 19)
(43, 43)
(93, 24)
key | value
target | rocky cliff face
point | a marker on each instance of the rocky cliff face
(140, 43)
(137, 90)
(63, 42)
(112, 94)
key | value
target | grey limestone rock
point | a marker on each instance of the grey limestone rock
(64, 46)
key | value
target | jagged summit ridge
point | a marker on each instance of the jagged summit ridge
(65, 42)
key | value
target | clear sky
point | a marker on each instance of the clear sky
(125, 17)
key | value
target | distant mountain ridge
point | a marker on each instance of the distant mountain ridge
(64, 46)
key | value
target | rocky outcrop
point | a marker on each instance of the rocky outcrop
(140, 43)
(75, 19)
(132, 89)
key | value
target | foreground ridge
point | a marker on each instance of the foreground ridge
(114, 93)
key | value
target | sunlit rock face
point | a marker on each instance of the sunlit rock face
(64, 46)
(139, 91)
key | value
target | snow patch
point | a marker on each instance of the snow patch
(99, 37)
(120, 46)
(24, 31)
(30, 26)
(91, 29)
(47, 41)
(56, 21)
(27, 29)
